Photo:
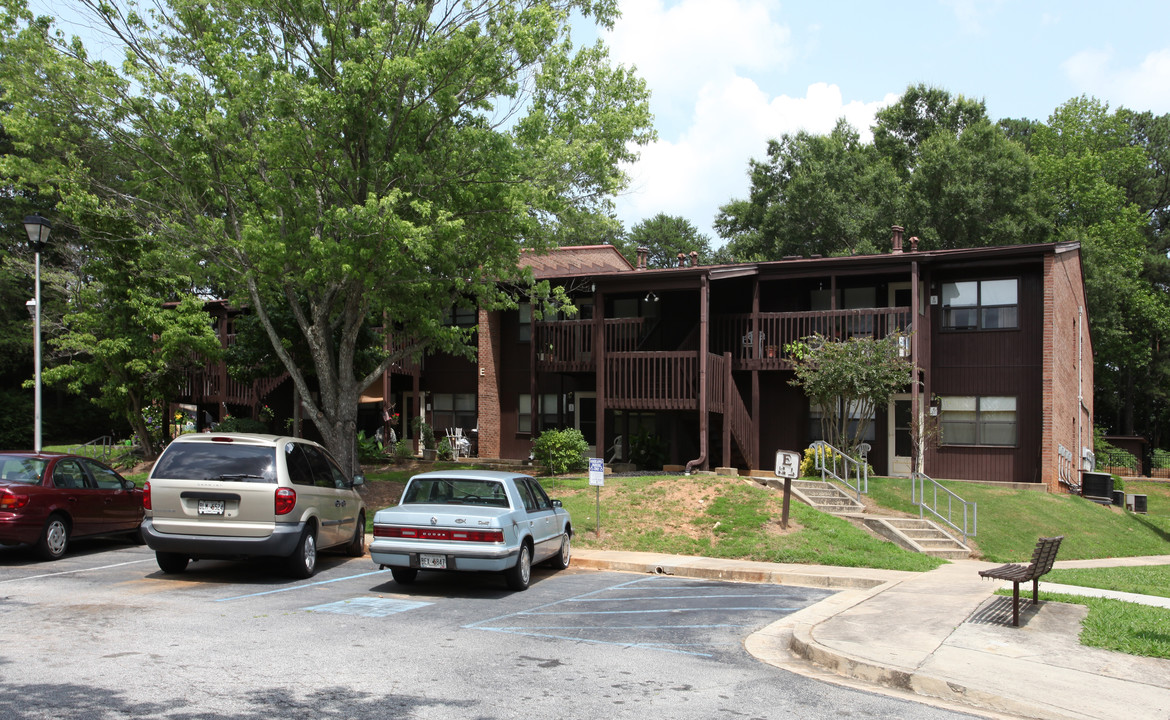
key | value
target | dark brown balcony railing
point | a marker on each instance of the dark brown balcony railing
(764, 348)
(567, 345)
(652, 380)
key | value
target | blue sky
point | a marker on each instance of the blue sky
(727, 75)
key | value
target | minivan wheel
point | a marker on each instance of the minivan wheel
(303, 562)
(171, 563)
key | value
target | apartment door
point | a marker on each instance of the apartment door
(585, 418)
(900, 438)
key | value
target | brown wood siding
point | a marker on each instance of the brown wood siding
(992, 363)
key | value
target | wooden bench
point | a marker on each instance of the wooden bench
(1042, 558)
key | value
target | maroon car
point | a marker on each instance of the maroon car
(48, 498)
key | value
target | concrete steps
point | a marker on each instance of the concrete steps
(915, 534)
(824, 496)
(919, 535)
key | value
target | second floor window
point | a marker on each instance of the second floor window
(981, 304)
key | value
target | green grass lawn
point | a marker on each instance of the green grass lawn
(1120, 626)
(719, 517)
(1010, 521)
(1143, 580)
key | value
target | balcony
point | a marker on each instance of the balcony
(765, 350)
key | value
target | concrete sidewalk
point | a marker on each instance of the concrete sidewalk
(940, 635)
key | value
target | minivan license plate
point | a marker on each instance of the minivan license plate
(211, 507)
(432, 562)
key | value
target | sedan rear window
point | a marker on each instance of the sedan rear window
(217, 461)
(455, 492)
(22, 470)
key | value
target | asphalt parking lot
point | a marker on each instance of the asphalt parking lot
(102, 633)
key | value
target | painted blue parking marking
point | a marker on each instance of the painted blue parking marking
(368, 606)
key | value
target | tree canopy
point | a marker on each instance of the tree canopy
(939, 167)
(350, 166)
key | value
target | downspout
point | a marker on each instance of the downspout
(704, 340)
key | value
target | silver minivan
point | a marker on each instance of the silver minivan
(237, 495)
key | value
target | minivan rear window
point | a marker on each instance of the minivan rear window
(217, 461)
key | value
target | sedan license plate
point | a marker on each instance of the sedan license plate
(211, 507)
(432, 562)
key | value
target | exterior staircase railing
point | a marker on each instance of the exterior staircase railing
(854, 474)
(101, 447)
(918, 490)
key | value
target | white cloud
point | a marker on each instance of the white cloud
(1142, 87)
(707, 165)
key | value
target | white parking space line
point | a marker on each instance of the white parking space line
(300, 587)
(77, 570)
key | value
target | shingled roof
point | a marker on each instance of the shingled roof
(576, 260)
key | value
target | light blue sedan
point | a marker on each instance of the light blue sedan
(475, 520)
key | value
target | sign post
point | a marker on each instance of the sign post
(597, 480)
(787, 467)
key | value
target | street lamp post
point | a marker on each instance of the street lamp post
(37, 229)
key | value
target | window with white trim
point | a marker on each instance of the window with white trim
(981, 304)
(985, 420)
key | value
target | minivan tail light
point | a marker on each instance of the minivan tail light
(11, 501)
(146, 496)
(286, 500)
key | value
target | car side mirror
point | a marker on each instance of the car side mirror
(129, 484)
(557, 503)
(359, 480)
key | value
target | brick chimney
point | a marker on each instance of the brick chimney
(897, 239)
(643, 254)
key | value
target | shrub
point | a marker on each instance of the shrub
(403, 450)
(369, 448)
(560, 451)
(241, 425)
(647, 450)
(424, 432)
(444, 451)
(808, 465)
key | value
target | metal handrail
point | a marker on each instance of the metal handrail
(850, 468)
(89, 449)
(918, 497)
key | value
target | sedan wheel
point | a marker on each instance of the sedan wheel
(560, 561)
(404, 576)
(519, 576)
(303, 562)
(54, 538)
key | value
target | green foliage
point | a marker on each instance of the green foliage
(444, 451)
(648, 450)
(1160, 459)
(1142, 580)
(560, 451)
(424, 432)
(329, 184)
(665, 236)
(860, 374)
(403, 450)
(369, 448)
(232, 423)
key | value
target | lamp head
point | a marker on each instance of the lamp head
(37, 228)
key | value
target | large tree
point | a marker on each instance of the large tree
(664, 237)
(355, 164)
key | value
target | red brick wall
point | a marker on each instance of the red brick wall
(1067, 396)
(489, 384)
